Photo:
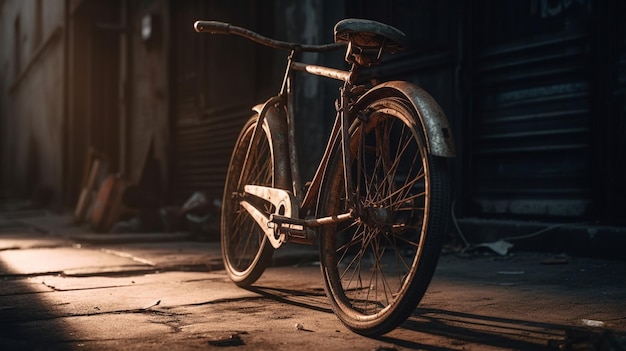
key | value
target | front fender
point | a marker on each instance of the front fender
(439, 140)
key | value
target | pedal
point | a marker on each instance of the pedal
(295, 229)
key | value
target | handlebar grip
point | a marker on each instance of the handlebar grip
(213, 27)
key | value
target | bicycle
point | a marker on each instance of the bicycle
(379, 201)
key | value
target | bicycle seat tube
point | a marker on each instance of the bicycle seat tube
(340, 127)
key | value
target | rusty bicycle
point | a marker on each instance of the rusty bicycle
(378, 203)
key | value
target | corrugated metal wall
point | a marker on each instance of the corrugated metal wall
(216, 81)
(613, 28)
(534, 91)
(531, 129)
(432, 58)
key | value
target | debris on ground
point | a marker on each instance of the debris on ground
(593, 323)
(230, 339)
(588, 340)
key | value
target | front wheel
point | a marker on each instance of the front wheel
(246, 251)
(377, 266)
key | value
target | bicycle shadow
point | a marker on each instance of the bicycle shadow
(506, 333)
(440, 330)
(312, 300)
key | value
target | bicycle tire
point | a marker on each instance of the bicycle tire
(377, 267)
(246, 251)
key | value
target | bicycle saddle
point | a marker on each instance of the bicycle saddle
(369, 34)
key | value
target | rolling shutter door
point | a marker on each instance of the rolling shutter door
(214, 89)
(531, 135)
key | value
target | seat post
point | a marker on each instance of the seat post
(364, 57)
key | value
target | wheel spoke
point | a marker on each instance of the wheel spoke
(355, 263)
(370, 264)
(379, 252)
(246, 253)
(398, 251)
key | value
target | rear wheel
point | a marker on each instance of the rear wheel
(377, 266)
(246, 250)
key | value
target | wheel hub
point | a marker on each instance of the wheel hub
(385, 219)
(376, 217)
(379, 215)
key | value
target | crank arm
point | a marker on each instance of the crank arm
(284, 225)
(264, 223)
(284, 202)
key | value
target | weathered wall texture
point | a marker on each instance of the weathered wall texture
(149, 128)
(31, 109)
(534, 91)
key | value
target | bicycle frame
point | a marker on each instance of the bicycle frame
(339, 129)
(296, 204)
(379, 241)
(306, 200)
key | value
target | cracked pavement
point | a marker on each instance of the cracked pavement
(64, 288)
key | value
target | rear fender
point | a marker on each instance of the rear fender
(439, 140)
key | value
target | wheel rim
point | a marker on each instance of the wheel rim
(244, 240)
(369, 260)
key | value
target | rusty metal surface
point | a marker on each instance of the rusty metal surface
(215, 27)
(321, 71)
(436, 126)
(275, 125)
(370, 34)
(284, 202)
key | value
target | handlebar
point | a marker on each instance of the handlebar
(215, 27)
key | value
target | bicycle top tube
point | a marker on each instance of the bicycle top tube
(215, 27)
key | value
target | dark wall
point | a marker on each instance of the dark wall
(93, 88)
(215, 82)
(534, 92)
